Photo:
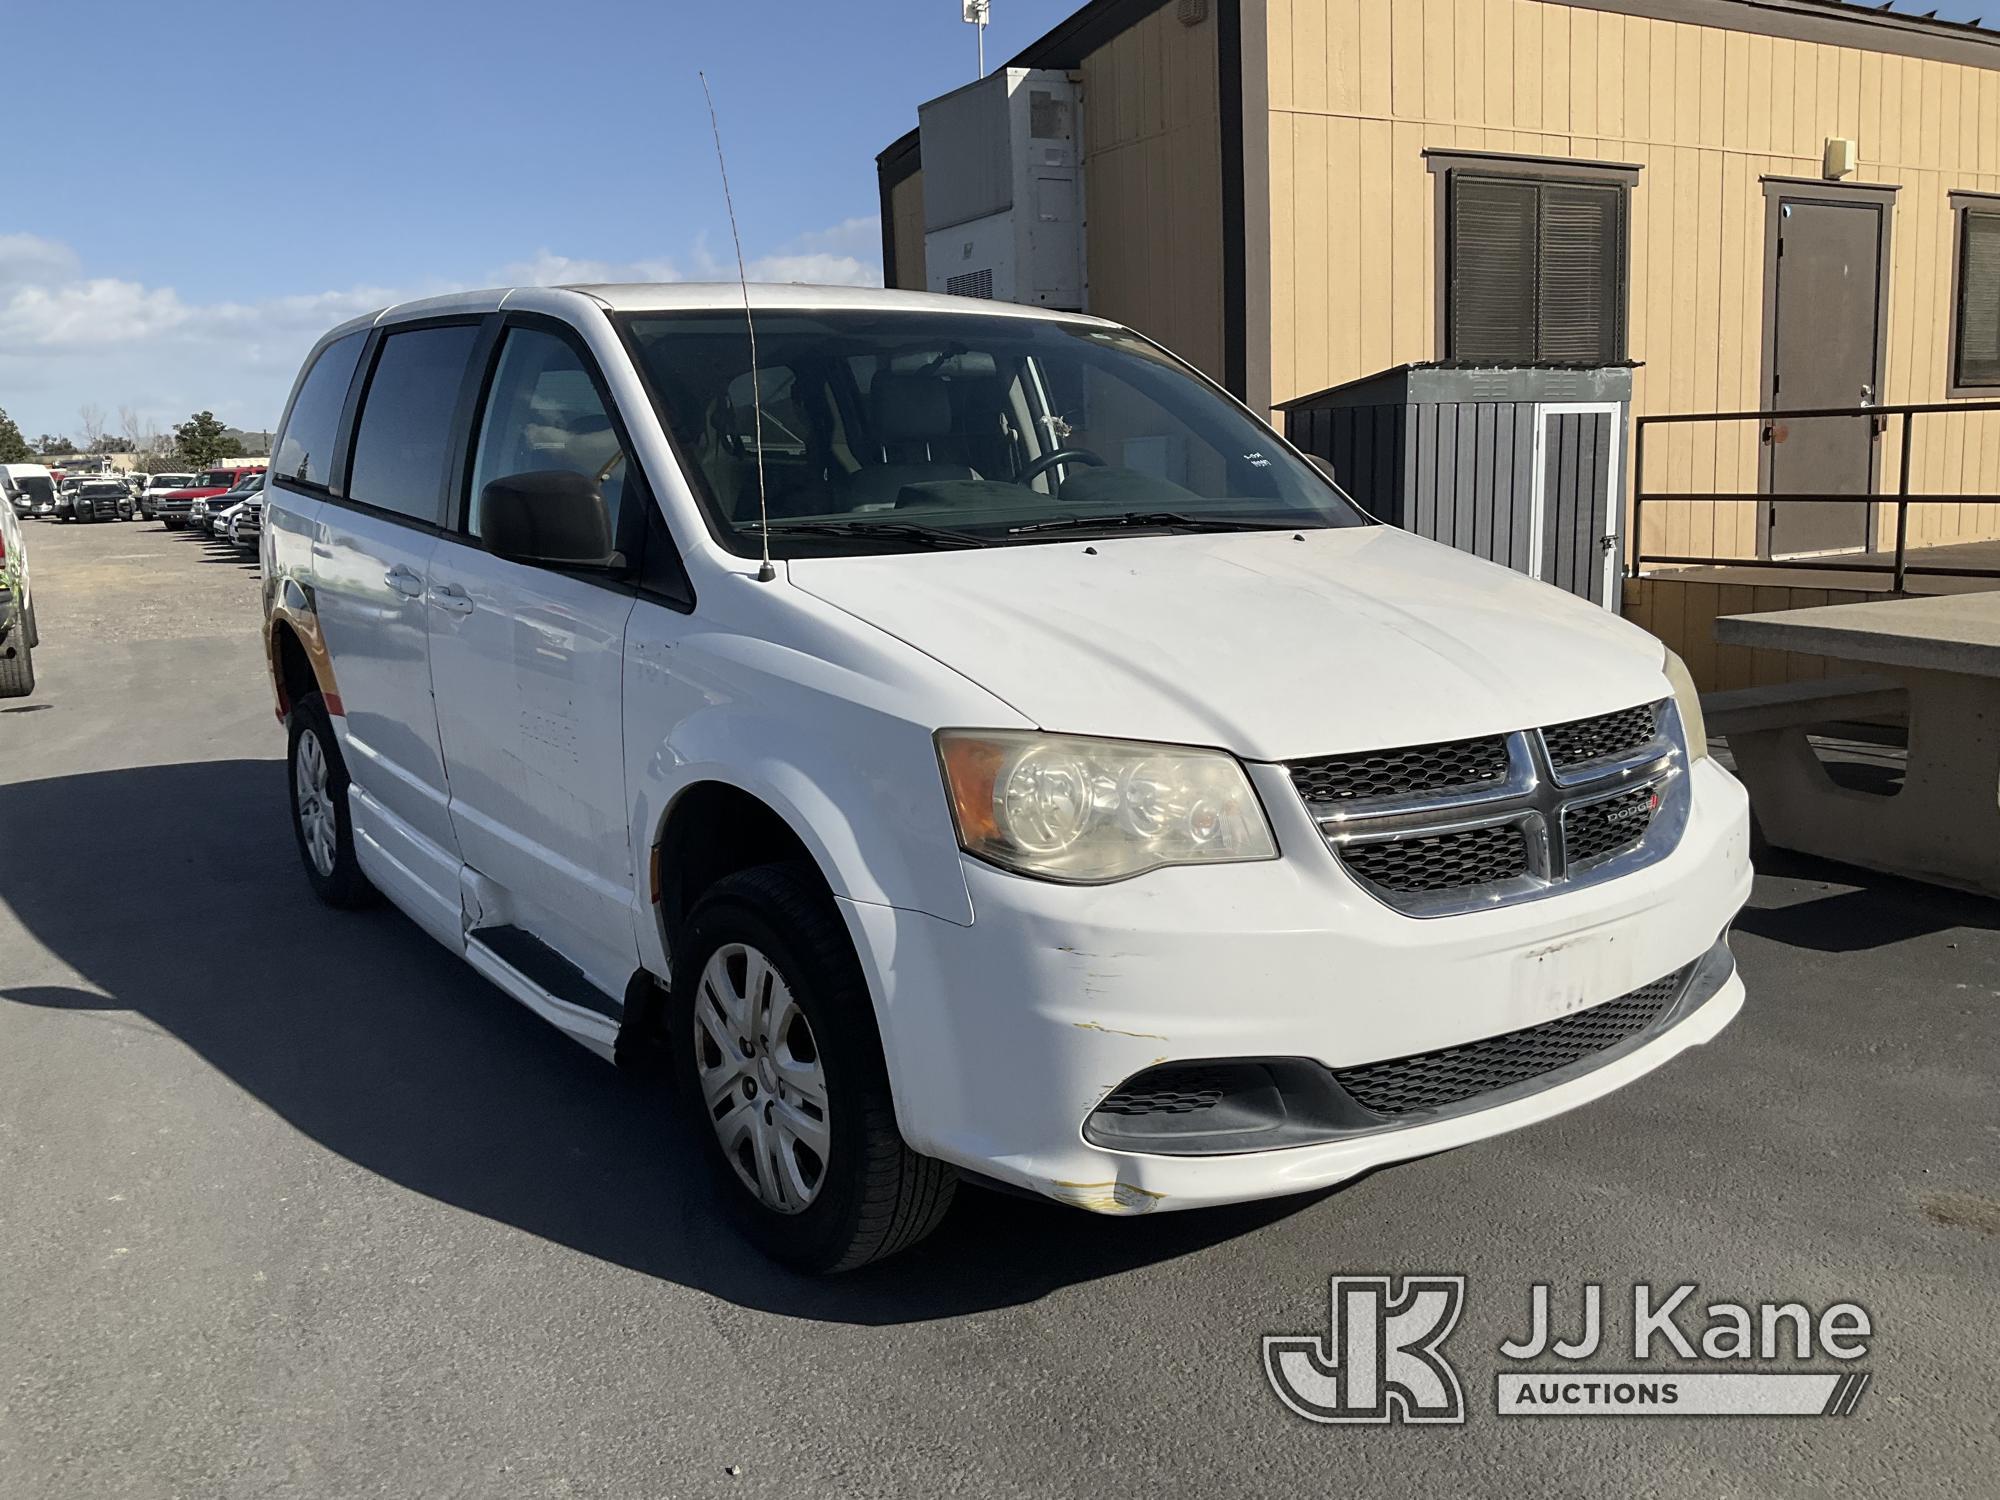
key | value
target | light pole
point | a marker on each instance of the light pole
(978, 13)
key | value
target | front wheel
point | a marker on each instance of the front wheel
(17, 667)
(780, 1064)
(320, 818)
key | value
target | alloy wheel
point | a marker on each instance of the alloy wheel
(315, 803)
(762, 1083)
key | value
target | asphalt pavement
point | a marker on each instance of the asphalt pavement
(293, 1203)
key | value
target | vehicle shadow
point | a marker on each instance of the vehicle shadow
(367, 1036)
(1869, 909)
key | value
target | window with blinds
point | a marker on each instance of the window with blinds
(1976, 360)
(1535, 271)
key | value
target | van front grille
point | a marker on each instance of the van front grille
(1598, 829)
(1455, 765)
(1581, 741)
(1442, 861)
(1459, 825)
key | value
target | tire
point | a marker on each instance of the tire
(34, 630)
(872, 1196)
(170, 523)
(326, 849)
(17, 672)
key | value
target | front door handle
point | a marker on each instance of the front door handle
(404, 581)
(449, 597)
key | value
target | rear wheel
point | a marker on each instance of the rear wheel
(781, 1067)
(320, 817)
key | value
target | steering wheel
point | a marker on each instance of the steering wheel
(1048, 461)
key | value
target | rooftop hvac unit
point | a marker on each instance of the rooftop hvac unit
(1003, 190)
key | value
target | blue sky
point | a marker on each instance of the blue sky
(238, 176)
(226, 179)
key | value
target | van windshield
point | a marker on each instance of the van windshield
(885, 431)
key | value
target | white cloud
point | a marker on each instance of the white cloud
(67, 338)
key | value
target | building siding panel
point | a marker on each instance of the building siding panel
(1707, 112)
(1153, 182)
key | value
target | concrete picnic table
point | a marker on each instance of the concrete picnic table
(1944, 654)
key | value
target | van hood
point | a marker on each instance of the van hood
(1275, 645)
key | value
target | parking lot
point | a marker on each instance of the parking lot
(295, 1203)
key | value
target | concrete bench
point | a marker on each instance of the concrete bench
(1792, 705)
(1943, 824)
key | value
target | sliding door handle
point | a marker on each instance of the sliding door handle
(451, 598)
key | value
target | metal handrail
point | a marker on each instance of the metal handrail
(1899, 568)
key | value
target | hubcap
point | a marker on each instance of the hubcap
(309, 787)
(761, 1080)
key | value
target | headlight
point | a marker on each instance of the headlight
(1067, 808)
(1688, 700)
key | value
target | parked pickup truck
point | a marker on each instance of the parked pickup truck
(970, 745)
(155, 487)
(172, 507)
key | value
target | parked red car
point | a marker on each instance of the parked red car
(172, 507)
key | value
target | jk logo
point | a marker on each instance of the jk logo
(1382, 1362)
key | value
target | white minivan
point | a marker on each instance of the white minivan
(967, 743)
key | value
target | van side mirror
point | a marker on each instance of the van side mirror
(552, 517)
(1325, 467)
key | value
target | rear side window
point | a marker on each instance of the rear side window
(305, 450)
(404, 434)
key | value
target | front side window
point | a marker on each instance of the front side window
(304, 453)
(545, 414)
(890, 430)
(1534, 270)
(1976, 357)
(403, 436)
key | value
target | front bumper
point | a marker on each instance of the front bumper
(1003, 1036)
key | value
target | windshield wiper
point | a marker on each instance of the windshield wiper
(1151, 519)
(929, 536)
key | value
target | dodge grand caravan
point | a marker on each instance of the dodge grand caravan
(966, 743)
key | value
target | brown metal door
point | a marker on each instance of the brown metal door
(1825, 352)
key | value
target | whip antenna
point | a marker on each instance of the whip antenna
(765, 572)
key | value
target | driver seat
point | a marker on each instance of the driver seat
(913, 422)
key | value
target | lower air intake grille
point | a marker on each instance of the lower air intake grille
(1452, 1075)
(1167, 1091)
(1442, 861)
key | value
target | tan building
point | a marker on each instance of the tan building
(1757, 203)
